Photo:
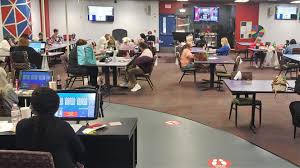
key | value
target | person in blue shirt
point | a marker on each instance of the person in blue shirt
(225, 49)
(289, 49)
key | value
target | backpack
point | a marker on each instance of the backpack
(85, 54)
(297, 85)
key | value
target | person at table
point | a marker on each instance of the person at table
(101, 45)
(111, 42)
(8, 97)
(75, 68)
(201, 42)
(141, 65)
(258, 55)
(41, 38)
(5, 46)
(34, 58)
(289, 49)
(186, 58)
(150, 37)
(45, 132)
(142, 38)
(126, 44)
(55, 37)
(225, 49)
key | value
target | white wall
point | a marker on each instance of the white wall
(278, 30)
(129, 15)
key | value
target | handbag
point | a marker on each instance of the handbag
(85, 54)
(297, 85)
(200, 56)
(279, 84)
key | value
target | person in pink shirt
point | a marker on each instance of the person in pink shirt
(187, 57)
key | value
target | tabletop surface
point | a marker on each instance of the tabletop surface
(56, 46)
(295, 57)
(260, 49)
(217, 60)
(244, 43)
(52, 54)
(201, 50)
(120, 62)
(254, 86)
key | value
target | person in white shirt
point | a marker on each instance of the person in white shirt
(101, 44)
(5, 45)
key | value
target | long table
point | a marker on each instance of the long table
(242, 87)
(111, 147)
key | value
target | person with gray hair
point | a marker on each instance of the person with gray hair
(5, 45)
(8, 97)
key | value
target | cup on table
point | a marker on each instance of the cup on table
(53, 85)
(25, 112)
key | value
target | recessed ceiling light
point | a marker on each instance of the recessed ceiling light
(295, 2)
(241, 1)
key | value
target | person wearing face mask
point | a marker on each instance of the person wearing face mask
(225, 49)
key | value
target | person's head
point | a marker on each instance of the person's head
(40, 35)
(197, 31)
(202, 37)
(44, 102)
(149, 32)
(258, 40)
(287, 41)
(293, 41)
(142, 35)
(81, 42)
(143, 46)
(126, 40)
(224, 41)
(107, 36)
(9, 38)
(55, 31)
(188, 46)
(23, 41)
(25, 36)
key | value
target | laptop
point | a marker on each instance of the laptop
(39, 47)
(32, 79)
(78, 105)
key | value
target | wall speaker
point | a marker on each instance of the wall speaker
(271, 12)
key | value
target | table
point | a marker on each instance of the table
(245, 44)
(57, 46)
(45, 64)
(111, 147)
(294, 57)
(201, 50)
(253, 87)
(213, 61)
(119, 62)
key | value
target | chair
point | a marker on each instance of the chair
(119, 34)
(146, 77)
(286, 66)
(71, 78)
(244, 101)
(19, 61)
(227, 75)
(295, 112)
(296, 51)
(185, 71)
(25, 159)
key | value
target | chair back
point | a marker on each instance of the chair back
(119, 34)
(296, 51)
(177, 54)
(237, 63)
(25, 159)
(19, 60)
(245, 75)
(280, 60)
(295, 112)
(153, 63)
(65, 61)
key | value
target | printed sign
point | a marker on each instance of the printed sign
(219, 163)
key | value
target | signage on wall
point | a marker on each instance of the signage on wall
(258, 31)
(168, 6)
(246, 30)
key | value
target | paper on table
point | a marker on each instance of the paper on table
(6, 127)
(115, 123)
(76, 127)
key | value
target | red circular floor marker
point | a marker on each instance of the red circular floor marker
(173, 122)
(219, 163)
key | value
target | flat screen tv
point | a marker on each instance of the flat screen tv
(100, 14)
(286, 13)
(206, 14)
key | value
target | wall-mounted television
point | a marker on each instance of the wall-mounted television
(206, 14)
(286, 13)
(100, 14)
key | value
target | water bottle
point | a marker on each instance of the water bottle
(15, 114)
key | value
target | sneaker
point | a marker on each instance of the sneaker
(256, 66)
(136, 88)
(125, 84)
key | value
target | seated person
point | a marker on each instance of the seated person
(41, 38)
(45, 132)
(55, 37)
(142, 38)
(35, 58)
(111, 42)
(141, 65)
(5, 46)
(225, 49)
(201, 42)
(289, 49)
(186, 58)
(101, 44)
(8, 97)
(126, 44)
(150, 37)
(260, 54)
(76, 69)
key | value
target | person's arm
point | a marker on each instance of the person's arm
(12, 96)
(75, 144)
(37, 58)
(5, 46)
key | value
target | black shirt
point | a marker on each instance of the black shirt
(52, 135)
(34, 57)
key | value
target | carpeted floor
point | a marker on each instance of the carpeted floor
(212, 107)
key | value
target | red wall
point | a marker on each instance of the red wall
(245, 12)
(47, 20)
(172, 10)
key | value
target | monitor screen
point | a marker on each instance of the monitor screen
(101, 13)
(33, 79)
(208, 14)
(38, 46)
(77, 105)
(286, 13)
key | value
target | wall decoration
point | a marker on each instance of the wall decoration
(258, 31)
(16, 17)
(245, 31)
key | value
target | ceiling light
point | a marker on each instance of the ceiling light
(182, 10)
(295, 2)
(183, 0)
(241, 1)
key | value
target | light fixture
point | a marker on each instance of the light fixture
(182, 10)
(183, 0)
(295, 2)
(241, 1)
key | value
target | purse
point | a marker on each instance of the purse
(279, 84)
(200, 56)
